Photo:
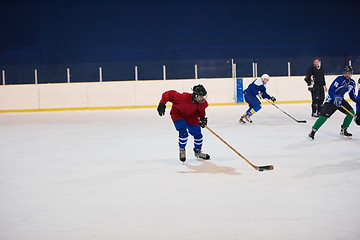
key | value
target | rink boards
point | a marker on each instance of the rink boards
(138, 94)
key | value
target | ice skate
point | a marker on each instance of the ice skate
(315, 115)
(312, 134)
(245, 118)
(182, 154)
(242, 119)
(199, 154)
(345, 133)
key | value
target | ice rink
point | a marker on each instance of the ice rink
(115, 174)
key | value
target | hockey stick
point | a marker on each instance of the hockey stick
(348, 111)
(299, 121)
(260, 168)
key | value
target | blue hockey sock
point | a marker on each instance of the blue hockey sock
(183, 137)
(252, 110)
(198, 143)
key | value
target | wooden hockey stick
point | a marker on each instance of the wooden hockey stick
(259, 168)
(348, 111)
(299, 121)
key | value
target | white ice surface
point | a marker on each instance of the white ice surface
(84, 175)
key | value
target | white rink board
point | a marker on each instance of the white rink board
(17, 97)
(138, 93)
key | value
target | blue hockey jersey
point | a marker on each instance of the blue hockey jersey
(255, 87)
(339, 87)
(358, 102)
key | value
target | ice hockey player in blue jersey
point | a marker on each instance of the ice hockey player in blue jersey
(357, 117)
(255, 89)
(335, 101)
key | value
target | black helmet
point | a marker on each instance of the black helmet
(348, 69)
(198, 90)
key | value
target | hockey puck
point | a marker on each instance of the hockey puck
(262, 168)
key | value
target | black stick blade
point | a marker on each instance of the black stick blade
(262, 168)
(301, 121)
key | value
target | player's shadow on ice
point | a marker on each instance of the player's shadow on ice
(209, 167)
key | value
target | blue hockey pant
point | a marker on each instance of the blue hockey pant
(184, 129)
(254, 104)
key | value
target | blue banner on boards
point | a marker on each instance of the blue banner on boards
(239, 90)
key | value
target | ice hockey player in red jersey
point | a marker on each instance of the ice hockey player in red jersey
(188, 114)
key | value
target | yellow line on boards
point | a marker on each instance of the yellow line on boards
(264, 103)
(78, 109)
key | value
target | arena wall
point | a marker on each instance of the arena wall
(137, 94)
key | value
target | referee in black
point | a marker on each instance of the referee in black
(315, 80)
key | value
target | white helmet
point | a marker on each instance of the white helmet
(265, 76)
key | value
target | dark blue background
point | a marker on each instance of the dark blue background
(70, 32)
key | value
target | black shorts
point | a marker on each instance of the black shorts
(328, 108)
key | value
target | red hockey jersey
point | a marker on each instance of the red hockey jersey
(183, 107)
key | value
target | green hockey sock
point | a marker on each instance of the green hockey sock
(348, 119)
(319, 122)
